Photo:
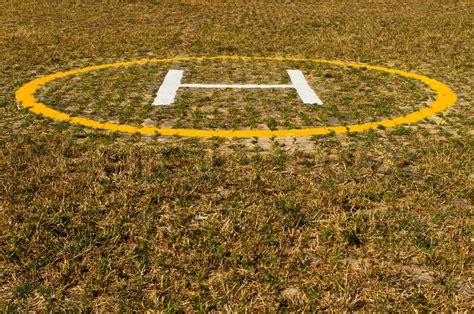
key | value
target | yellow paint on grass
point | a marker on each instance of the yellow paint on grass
(25, 95)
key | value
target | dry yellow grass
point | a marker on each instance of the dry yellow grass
(95, 221)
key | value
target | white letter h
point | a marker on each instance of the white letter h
(167, 92)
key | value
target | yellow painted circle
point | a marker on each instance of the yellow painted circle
(25, 95)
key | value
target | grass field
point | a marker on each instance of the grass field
(92, 220)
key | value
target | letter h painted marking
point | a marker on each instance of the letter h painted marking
(167, 92)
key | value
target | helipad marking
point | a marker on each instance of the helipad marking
(167, 92)
(236, 86)
(305, 92)
(445, 99)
